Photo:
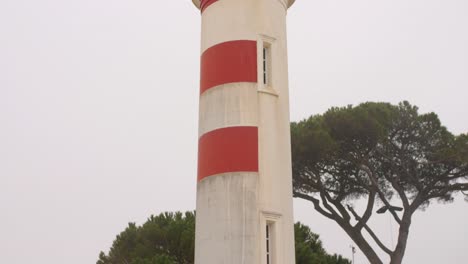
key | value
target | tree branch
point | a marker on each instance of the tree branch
(400, 191)
(323, 196)
(339, 206)
(381, 194)
(442, 192)
(316, 203)
(367, 214)
(458, 175)
(371, 233)
(401, 153)
(395, 185)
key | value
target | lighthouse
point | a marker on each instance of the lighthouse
(244, 184)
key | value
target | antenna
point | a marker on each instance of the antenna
(353, 251)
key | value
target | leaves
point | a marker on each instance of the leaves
(309, 249)
(328, 150)
(396, 143)
(168, 238)
(376, 150)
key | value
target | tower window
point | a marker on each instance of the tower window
(269, 243)
(266, 63)
(271, 238)
(265, 72)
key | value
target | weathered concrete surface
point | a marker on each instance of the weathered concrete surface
(234, 207)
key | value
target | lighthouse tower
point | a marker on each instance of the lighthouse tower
(244, 188)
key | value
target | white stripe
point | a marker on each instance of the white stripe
(221, 23)
(228, 105)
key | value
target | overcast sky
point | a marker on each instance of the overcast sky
(99, 111)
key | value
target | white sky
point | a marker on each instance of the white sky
(99, 103)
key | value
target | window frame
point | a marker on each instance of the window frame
(266, 64)
(270, 237)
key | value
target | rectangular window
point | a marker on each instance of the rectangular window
(266, 63)
(269, 239)
(266, 52)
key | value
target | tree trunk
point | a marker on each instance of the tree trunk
(399, 253)
(361, 242)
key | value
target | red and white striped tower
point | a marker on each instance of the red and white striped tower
(244, 190)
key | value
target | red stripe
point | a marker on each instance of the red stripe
(205, 3)
(228, 62)
(231, 149)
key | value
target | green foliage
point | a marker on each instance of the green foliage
(376, 151)
(170, 238)
(324, 147)
(309, 249)
(158, 259)
(400, 147)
